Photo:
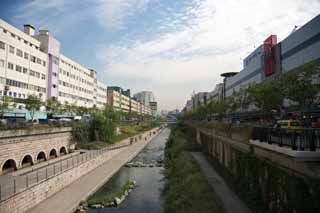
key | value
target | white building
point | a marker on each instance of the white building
(31, 64)
(23, 67)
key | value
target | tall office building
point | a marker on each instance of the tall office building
(145, 97)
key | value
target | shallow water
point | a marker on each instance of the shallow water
(147, 196)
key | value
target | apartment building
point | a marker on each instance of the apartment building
(23, 66)
(101, 94)
(31, 64)
(76, 83)
(134, 106)
(119, 98)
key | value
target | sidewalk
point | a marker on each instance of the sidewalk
(68, 199)
(230, 201)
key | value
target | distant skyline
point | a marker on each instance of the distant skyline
(169, 47)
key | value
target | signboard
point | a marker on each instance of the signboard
(269, 60)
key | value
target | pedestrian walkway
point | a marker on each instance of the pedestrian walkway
(68, 199)
(230, 201)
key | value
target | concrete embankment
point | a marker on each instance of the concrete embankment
(62, 193)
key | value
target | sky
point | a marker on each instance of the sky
(171, 47)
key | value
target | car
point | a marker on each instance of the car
(289, 124)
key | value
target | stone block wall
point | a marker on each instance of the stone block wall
(22, 143)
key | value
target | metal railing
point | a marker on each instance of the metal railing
(296, 139)
(11, 185)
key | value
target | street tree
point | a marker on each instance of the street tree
(266, 96)
(33, 104)
(300, 86)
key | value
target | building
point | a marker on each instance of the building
(23, 66)
(153, 107)
(119, 98)
(31, 64)
(272, 59)
(189, 106)
(134, 106)
(216, 94)
(145, 97)
(199, 99)
(101, 94)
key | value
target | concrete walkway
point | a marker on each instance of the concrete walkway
(68, 199)
(230, 201)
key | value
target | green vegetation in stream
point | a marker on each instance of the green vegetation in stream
(110, 199)
(186, 189)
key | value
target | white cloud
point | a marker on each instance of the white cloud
(210, 37)
(113, 14)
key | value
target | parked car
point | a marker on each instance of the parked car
(289, 124)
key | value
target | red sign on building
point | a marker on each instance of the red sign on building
(269, 61)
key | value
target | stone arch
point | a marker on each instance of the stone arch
(26, 161)
(41, 156)
(63, 151)
(9, 166)
(53, 154)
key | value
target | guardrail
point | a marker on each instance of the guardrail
(16, 184)
(296, 139)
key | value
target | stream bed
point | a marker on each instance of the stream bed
(146, 197)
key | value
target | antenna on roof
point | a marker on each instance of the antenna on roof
(295, 28)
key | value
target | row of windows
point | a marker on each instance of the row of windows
(24, 70)
(22, 54)
(75, 97)
(75, 68)
(20, 39)
(102, 88)
(69, 74)
(23, 85)
(13, 94)
(66, 84)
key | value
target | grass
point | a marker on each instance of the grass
(186, 188)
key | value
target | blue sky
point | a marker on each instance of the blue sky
(172, 47)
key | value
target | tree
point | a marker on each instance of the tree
(33, 103)
(53, 106)
(266, 96)
(299, 86)
(4, 104)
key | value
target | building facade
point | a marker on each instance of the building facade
(272, 59)
(32, 64)
(145, 97)
(23, 66)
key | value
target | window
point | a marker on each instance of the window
(18, 68)
(10, 66)
(19, 52)
(54, 86)
(26, 56)
(25, 70)
(26, 42)
(2, 45)
(5, 31)
(13, 35)
(11, 49)
(44, 63)
(38, 60)
(32, 73)
(43, 76)
(54, 74)
(1, 63)
(33, 59)
(37, 75)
